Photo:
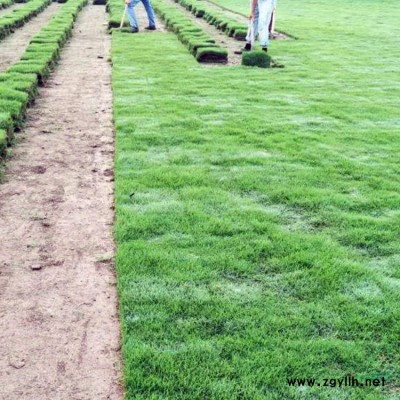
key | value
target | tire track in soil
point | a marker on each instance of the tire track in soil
(59, 330)
(14, 45)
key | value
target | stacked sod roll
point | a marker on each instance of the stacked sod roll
(18, 85)
(17, 18)
(199, 43)
(230, 26)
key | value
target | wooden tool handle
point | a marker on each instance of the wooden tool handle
(123, 16)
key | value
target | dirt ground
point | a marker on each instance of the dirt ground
(59, 329)
(14, 45)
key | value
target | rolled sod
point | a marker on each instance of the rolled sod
(240, 34)
(256, 59)
(212, 54)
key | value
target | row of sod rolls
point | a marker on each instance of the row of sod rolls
(18, 85)
(14, 19)
(199, 43)
(232, 27)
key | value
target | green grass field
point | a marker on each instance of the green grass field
(258, 211)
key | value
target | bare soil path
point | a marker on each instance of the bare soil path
(14, 45)
(59, 331)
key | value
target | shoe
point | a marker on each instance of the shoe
(264, 49)
(134, 30)
(247, 47)
(150, 28)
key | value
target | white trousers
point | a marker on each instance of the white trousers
(265, 9)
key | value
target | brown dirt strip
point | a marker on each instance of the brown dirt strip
(59, 331)
(14, 45)
(13, 7)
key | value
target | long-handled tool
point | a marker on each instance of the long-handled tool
(273, 21)
(250, 31)
(123, 16)
(250, 37)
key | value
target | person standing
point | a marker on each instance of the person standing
(132, 17)
(260, 16)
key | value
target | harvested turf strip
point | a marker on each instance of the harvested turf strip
(18, 85)
(15, 19)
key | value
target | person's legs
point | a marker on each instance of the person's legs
(255, 22)
(255, 29)
(150, 13)
(131, 15)
(265, 8)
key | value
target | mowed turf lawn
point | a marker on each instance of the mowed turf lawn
(258, 211)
